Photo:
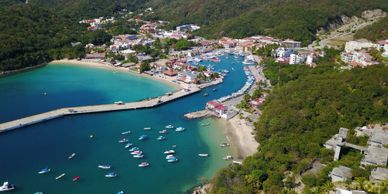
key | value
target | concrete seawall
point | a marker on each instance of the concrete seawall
(19, 123)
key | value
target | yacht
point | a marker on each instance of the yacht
(72, 156)
(143, 137)
(133, 149)
(203, 155)
(111, 175)
(169, 152)
(169, 127)
(123, 140)
(7, 187)
(60, 176)
(104, 166)
(143, 164)
(126, 132)
(128, 145)
(179, 129)
(44, 171)
(161, 138)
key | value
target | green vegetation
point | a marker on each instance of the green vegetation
(374, 32)
(307, 107)
(145, 66)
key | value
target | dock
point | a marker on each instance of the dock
(149, 103)
(198, 114)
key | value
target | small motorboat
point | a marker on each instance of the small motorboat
(76, 178)
(169, 127)
(203, 155)
(133, 149)
(44, 171)
(126, 133)
(38, 192)
(224, 145)
(228, 157)
(91, 136)
(169, 152)
(172, 160)
(104, 166)
(111, 175)
(179, 129)
(60, 176)
(170, 156)
(123, 140)
(147, 128)
(137, 152)
(72, 156)
(138, 156)
(205, 124)
(7, 187)
(161, 138)
(143, 137)
(120, 192)
(128, 145)
(205, 94)
(214, 89)
(163, 131)
(143, 164)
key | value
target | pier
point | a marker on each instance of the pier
(149, 103)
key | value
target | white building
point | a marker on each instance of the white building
(340, 174)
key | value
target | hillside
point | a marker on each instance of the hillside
(375, 32)
(299, 116)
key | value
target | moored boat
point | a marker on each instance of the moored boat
(104, 166)
(169, 127)
(138, 156)
(128, 145)
(228, 157)
(133, 149)
(7, 187)
(224, 145)
(147, 128)
(111, 175)
(76, 178)
(60, 176)
(143, 137)
(163, 131)
(203, 155)
(172, 160)
(44, 171)
(137, 152)
(123, 140)
(120, 192)
(179, 129)
(161, 138)
(169, 152)
(126, 132)
(143, 164)
(71, 156)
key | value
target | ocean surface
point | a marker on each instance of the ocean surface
(26, 151)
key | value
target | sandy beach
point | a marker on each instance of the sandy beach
(108, 66)
(240, 137)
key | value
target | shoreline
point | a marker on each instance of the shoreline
(13, 72)
(241, 138)
(94, 64)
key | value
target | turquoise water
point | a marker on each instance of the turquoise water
(27, 150)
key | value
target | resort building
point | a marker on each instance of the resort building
(340, 174)
(95, 56)
(227, 42)
(291, 43)
(188, 76)
(358, 45)
(216, 107)
(378, 174)
(170, 72)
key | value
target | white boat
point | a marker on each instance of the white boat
(44, 171)
(249, 60)
(224, 145)
(179, 129)
(147, 128)
(161, 138)
(104, 166)
(143, 164)
(60, 176)
(138, 156)
(169, 127)
(123, 140)
(72, 156)
(7, 187)
(111, 175)
(172, 160)
(120, 192)
(228, 157)
(126, 132)
(170, 156)
(163, 131)
(133, 149)
(205, 124)
(128, 145)
(137, 152)
(169, 152)
(203, 155)
(143, 137)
